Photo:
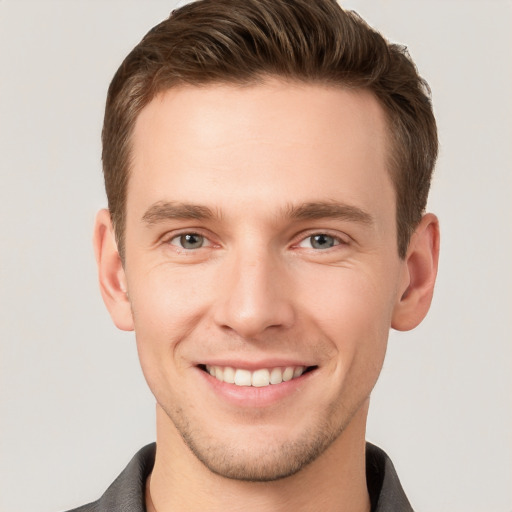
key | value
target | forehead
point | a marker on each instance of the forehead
(276, 142)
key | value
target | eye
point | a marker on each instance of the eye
(320, 241)
(189, 241)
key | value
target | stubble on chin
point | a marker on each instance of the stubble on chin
(264, 463)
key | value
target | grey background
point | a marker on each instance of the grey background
(73, 403)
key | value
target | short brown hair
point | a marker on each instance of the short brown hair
(242, 42)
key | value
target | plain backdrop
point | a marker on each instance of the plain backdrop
(74, 406)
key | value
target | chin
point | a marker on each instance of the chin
(265, 464)
(261, 456)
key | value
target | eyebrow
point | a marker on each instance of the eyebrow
(331, 209)
(169, 210)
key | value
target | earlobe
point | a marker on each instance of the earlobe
(420, 271)
(111, 273)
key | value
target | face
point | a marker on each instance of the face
(261, 267)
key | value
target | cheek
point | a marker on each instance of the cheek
(353, 312)
(166, 298)
(168, 304)
(351, 296)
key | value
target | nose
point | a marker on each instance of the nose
(256, 295)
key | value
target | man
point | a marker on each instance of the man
(267, 165)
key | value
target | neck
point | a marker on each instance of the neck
(335, 481)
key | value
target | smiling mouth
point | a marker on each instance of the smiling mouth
(258, 378)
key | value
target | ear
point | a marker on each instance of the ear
(111, 272)
(419, 275)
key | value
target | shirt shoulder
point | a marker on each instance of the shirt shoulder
(384, 487)
(126, 494)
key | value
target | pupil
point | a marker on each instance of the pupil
(191, 241)
(322, 241)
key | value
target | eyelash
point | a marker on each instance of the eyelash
(338, 240)
(179, 236)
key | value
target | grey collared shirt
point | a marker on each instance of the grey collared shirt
(127, 492)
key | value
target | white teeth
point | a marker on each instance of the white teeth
(288, 373)
(243, 377)
(258, 378)
(229, 375)
(276, 376)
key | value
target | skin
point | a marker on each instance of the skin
(261, 170)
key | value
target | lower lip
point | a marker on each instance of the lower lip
(250, 396)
